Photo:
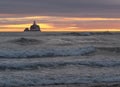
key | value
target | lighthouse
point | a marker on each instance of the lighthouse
(33, 27)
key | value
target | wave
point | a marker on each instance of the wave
(18, 65)
(29, 79)
(110, 49)
(50, 52)
(25, 41)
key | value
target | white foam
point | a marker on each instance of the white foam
(25, 53)
(35, 64)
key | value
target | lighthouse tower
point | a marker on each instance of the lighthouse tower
(35, 27)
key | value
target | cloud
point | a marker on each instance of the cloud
(60, 14)
(76, 8)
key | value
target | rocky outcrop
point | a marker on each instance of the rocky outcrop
(33, 27)
(26, 29)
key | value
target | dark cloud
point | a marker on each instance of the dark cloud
(80, 8)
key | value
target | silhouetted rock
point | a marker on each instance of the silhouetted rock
(33, 27)
(26, 29)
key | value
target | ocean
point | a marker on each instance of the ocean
(34, 59)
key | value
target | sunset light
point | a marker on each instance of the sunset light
(59, 24)
(60, 15)
(59, 43)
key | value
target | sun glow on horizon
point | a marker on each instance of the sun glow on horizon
(59, 24)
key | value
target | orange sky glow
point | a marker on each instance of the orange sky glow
(59, 24)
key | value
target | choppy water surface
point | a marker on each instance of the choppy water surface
(33, 59)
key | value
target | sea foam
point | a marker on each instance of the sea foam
(49, 52)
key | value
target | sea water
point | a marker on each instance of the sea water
(33, 59)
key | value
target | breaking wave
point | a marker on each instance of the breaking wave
(50, 52)
(35, 65)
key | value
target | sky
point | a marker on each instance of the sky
(60, 15)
